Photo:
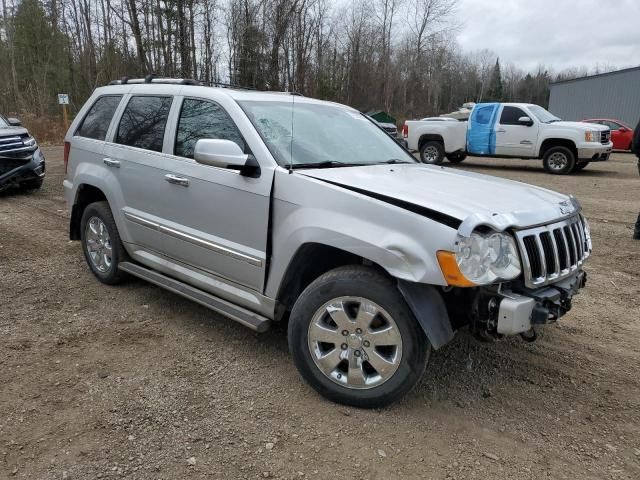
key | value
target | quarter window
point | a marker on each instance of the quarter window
(510, 115)
(203, 119)
(96, 123)
(143, 122)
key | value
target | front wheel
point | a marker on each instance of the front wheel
(559, 160)
(432, 152)
(354, 339)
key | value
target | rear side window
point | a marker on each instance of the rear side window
(203, 119)
(97, 121)
(143, 122)
(510, 115)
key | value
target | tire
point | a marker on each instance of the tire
(432, 152)
(103, 265)
(346, 290)
(558, 160)
(456, 157)
(32, 184)
(580, 166)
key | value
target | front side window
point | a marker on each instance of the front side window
(143, 122)
(96, 123)
(510, 115)
(305, 134)
(203, 119)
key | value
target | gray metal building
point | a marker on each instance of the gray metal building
(613, 95)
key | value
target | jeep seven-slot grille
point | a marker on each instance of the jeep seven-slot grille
(605, 136)
(552, 252)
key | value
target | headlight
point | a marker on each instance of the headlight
(29, 142)
(485, 258)
(592, 136)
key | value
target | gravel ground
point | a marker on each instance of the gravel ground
(135, 382)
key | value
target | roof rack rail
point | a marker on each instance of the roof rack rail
(153, 78)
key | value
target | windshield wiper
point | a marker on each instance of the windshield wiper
(395, 161)
(326, 164)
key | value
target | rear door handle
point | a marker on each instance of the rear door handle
(111, 163)
(175, 180)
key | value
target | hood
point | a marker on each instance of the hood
(12, 131)
(584, 126)
(472, 198)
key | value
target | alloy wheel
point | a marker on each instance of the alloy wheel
(99, 245)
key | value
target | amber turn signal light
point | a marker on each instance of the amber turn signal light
(451, 271)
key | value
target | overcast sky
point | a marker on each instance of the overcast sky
(556, 33)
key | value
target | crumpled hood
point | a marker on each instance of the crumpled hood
(479, 199)
(12, 131)
(580, 126)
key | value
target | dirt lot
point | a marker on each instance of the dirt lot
(131, 381)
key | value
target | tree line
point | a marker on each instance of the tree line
(394, 55)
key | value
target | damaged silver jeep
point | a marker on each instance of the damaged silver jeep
(270, 207)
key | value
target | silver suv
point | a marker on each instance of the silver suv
(271, 207)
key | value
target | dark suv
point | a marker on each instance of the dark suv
(21, 161)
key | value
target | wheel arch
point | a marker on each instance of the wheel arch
(85, 195)
(558, 142)
(430, 137)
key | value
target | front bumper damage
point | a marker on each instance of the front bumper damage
(520, 309)
(18, 168)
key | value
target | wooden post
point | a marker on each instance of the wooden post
(65, 118)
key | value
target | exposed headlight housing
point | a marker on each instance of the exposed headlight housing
(484, 258)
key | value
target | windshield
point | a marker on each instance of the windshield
(543, 115)
(309, 134)
(3, 122)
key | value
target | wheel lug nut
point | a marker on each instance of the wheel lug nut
(357, 353)
(366, 343)
(344, 346)
(345, 333)
(358, 331)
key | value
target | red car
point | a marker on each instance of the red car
(621, 134)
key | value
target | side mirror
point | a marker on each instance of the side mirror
(14, 122)
(525, 121)
(225, 154)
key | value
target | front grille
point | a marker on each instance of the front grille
(605, 137)
(8, 164)
(15, 143)
(552, 252)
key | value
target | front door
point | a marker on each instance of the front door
(214, 218)
(481, 135)
(514, 139)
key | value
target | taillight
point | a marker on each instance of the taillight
(67, 147)
(405, 130)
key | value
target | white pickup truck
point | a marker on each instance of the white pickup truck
(511, 130)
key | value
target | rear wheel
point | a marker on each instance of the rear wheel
(456, 157)
(580, 166)
(432, 152)
(559, 160)
(354, 339)
(101, 243)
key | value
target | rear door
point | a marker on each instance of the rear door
(512, 138)
(215, 219)
(135, 155)
(481, 135)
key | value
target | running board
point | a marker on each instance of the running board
(241, 315)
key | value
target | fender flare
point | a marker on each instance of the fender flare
(430, 310)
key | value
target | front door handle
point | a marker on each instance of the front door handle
(502, 130)
(109, 162)
(175, 180)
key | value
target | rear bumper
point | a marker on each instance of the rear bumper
(594, 152)
(20, 169)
